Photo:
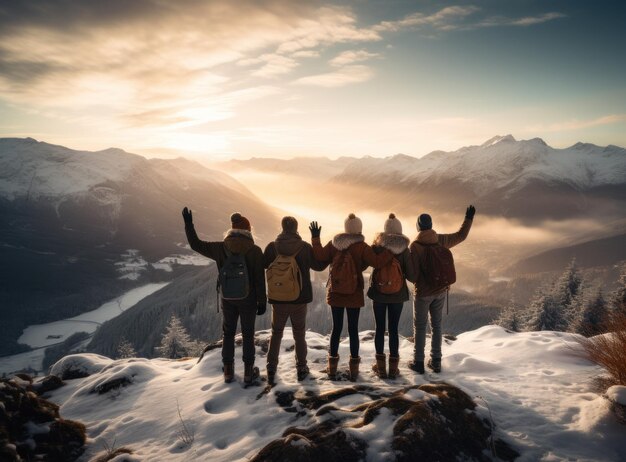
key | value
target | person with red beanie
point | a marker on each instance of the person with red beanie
(236, 255)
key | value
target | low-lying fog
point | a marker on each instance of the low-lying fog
(494, 243)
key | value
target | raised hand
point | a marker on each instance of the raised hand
(469, 213)
(315, 229)
(187, 217)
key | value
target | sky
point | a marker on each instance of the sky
(218, 80)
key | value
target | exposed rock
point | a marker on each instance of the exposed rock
(442, 425)
(48, 383)
(32, 429)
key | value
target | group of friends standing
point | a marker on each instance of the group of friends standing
(286, 265)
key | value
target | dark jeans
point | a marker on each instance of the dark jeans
(231, 312)
(353, 329)
(393, 311)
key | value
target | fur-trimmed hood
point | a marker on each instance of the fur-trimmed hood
(395, 243)
(238, 240)
(344, 240)
(427, 236)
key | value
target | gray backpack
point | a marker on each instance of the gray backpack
(233, 278)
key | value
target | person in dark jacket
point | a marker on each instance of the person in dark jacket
(363, 256)
(237, 240)
(389, 305)
(430, 300)
(289, 243)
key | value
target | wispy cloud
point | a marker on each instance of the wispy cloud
(569, 125)
(352, 56)
(444, 19)
(339, 78)
(500, 21)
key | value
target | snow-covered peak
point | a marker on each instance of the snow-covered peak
(498, 139)
(29, 168)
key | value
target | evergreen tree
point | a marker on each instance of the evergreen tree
(125, 349)
(545, 314)
(567, 286)
(509, 318)
(618, 298)
(593, 316)
(175, 342)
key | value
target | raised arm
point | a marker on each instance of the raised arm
(375, 260)
(208, 249)
(450, 240)
(321, 254)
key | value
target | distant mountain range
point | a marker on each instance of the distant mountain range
(67, 217)
(519, 179)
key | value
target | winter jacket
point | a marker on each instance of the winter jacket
(235, 241)
(417, 250)
(289, 244)
(398, 245)
(363, 256)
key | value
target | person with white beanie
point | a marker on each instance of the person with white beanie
(388, 291)
(348, 256)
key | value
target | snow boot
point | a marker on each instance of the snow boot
(303, 372)
(434, 364)
(332, 367)
(393, 367)
(417, 366)
(354, 367)
(250, 373)
(229, 372)
(380, 366)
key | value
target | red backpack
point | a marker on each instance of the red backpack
(389, 279)
(343, 277)
(437, 266)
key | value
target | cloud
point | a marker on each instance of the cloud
(444, 19)
(306, 54)
(274, 65)
(499, 21)
(352, 56)
(344, 76)
(578, 124)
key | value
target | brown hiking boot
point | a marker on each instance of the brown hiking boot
(393, 366)
(332, 367)
(354, 367)
(380, 366)
(250, 373)
(229, 372)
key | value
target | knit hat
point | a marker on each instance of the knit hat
(353, 224)
(393, 225)
(424, 222)
(239, 222)
(289, 224)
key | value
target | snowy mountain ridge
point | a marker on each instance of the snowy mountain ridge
(499, 162)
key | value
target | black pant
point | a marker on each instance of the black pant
(393, 311)
(353, 329)
(232, 311)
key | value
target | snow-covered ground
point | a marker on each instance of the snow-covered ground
(41, 335)
(537, 386)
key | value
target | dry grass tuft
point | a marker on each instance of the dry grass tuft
(609, 350)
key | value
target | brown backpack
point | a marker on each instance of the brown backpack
(284, 280)
(437, 266)
(389, 279)
(343, 277)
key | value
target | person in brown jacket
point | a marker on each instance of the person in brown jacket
(386, 304)
(346, 250)
(289, 242)
(238, 241)
(431, 299)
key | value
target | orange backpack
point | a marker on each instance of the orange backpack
(343, 277)
(389, 279)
